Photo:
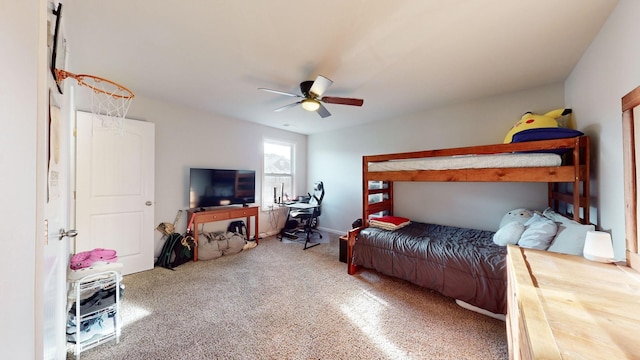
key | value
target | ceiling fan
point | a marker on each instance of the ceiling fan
(312, 98)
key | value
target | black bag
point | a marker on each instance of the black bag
(177, 250)
(238, 227)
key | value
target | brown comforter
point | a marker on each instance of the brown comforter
(460, 263)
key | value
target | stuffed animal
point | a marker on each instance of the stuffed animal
(533, 121)
(516, 215)
(527, 228)
(512, 226)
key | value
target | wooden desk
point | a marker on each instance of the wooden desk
(223, 213)
(566, 307)
(301, 206)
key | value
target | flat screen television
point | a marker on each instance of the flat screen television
(219, 187)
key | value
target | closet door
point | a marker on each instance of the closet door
(115, 190)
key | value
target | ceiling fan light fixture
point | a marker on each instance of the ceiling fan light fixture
(310, 104)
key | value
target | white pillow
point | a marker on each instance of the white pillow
(550, 214)
(539, 232)
(570, 236)
(508, 234)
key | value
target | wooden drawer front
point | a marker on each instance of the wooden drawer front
(212, 217)
(243, 212)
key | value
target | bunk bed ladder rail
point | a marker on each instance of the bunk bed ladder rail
(579, 198)
(385, 190)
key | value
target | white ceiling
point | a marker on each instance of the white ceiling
(399, 56)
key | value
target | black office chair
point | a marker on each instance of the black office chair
(309, 217)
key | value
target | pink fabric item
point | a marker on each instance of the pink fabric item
(86, 259)
(99, 254)
(81, 260)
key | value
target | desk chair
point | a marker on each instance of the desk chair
(309, 217)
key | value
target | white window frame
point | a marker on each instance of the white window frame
(266, 201)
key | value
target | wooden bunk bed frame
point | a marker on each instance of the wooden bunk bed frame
(574, 171)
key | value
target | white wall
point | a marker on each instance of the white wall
(336, 158)
(19, 30)
(608, 70)
(190, 138)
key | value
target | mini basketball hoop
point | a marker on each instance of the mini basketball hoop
(110, 101)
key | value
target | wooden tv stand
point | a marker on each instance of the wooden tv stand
(223, 213)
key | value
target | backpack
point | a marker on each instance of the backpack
(177, 250)
(238, 227)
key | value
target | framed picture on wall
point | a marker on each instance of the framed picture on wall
(58, 46)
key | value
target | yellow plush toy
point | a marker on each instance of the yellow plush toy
(532, 121)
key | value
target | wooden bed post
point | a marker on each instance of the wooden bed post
(576, 181)
(586, 190)
(630, 103)
(351, 240)
(365, 191)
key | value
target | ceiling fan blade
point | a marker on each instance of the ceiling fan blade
(320, 86)
(283, 108)
(323, 112)
(279, 92)
(342, 101)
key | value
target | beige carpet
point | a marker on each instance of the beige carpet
(277, 301)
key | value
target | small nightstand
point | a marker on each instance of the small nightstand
(343, 248)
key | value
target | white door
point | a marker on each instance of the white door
(56, 209)
(115, 190)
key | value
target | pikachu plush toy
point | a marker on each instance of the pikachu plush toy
(533, 121)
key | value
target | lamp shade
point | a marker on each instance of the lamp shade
(598, 247)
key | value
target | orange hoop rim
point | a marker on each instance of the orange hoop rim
(63, 74)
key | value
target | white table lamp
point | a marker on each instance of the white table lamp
(598, 247)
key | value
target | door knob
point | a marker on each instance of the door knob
(71, 234)
(148, 203)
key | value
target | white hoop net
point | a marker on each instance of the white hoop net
(109, 102)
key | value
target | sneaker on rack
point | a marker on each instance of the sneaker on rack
(81, 260)
(99, 255)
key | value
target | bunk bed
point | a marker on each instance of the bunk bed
(460, 263)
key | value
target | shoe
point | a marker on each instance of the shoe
(106, 255)
(86, 259)
(249, 245)
(81, 260)
(92, 329)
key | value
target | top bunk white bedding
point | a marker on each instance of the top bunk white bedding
(510, 160)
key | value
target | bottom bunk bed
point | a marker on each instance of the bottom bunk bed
(460, 263)
(465, 264)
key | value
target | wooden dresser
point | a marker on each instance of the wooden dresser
(566, 307)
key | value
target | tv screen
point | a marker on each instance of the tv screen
(218, 187)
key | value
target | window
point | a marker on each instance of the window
(277, 181)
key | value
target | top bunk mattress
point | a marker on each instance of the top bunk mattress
(509, 160)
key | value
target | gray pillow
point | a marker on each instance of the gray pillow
(538, 234)
(234, 244)
(208, 247)
(571, 234)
